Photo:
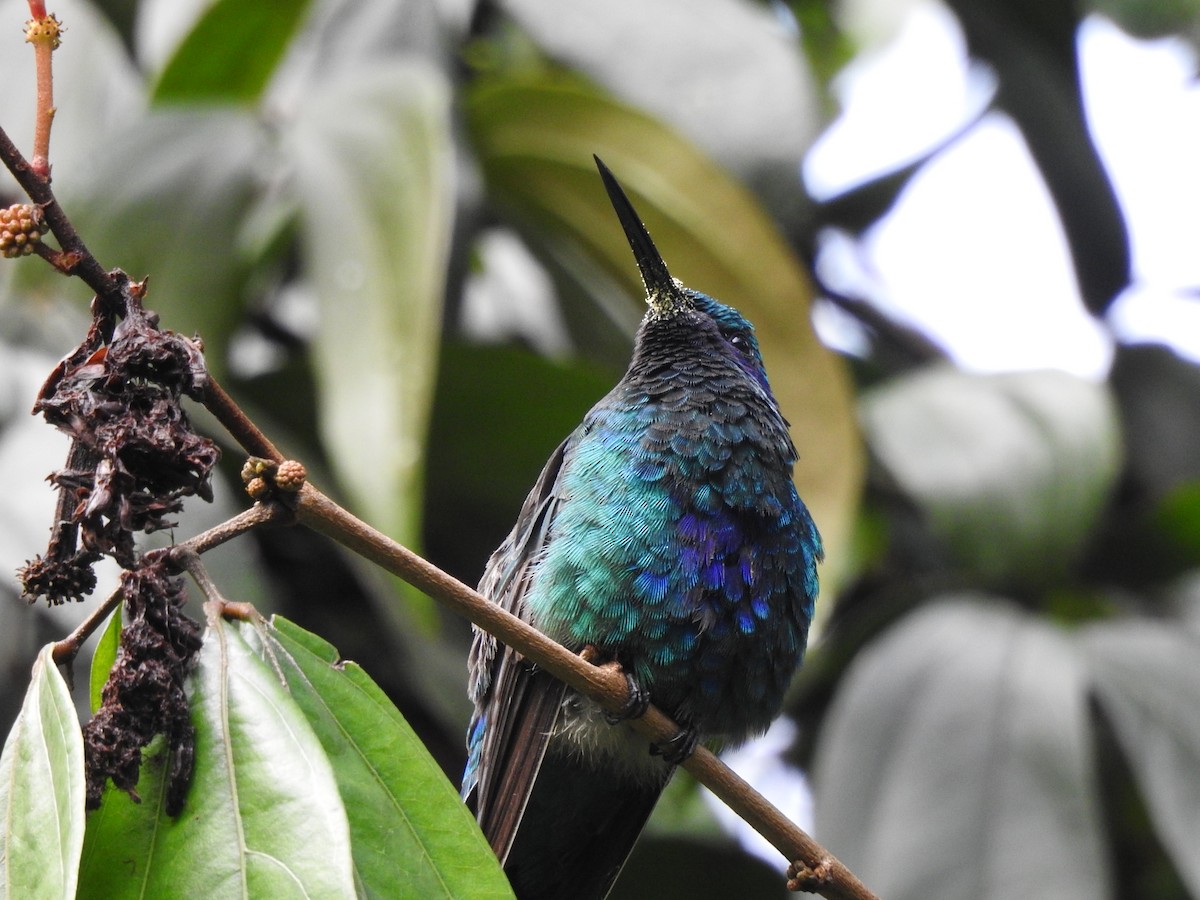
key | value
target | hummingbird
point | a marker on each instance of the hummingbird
(665, 536)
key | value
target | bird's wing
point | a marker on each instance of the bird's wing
(516, 704)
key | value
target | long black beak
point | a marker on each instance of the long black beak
(662, 291)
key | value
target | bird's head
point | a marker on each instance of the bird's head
(670, 301)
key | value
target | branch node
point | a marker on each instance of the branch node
(810, 879)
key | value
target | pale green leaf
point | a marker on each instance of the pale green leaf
(412, 835)
(263, 817)
(1147, 679)
(375, 182)
(1011, 471)
(956, 761)
(42, 791)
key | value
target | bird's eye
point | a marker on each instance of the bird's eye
(740, 343)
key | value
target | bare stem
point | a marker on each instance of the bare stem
(45, 33)
(75, 259)
(67, 649)
(255, 517)
(237, 423)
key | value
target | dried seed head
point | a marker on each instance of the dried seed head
(144, 694)
(290, 475)
(59, 579)
(257, 488)
(134, 454)
(256, 467)
(21, 227)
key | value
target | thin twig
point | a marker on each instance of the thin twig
(76, 257)
(237, 423)
(255, 517)
(215, 601)
(606, 686)
(67, 649)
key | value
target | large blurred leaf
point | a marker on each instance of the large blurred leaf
(1010, 470)
(1147, 679)
(487, 442)
(955, 762)
(412, 835)
(732, 78)
(167, 201)
(41, 791)
(231, 52)
(374, 176)
(535, 142)
(263, 816)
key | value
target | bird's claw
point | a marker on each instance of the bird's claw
(636, 703)
(679, 748)
(637, 700)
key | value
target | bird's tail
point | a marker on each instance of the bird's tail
(577, 831)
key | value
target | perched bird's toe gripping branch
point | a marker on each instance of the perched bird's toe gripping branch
(637, 700)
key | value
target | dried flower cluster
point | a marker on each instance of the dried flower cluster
(133, 458)
(144, 694)
(134, 454)
(262, 477)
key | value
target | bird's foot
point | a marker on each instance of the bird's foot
(638, 699)
(677, 750)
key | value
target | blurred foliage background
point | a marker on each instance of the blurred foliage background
(384, 221)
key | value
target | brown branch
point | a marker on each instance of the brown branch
(255, 517)
(823, 873)
(67, 649)
(76, 259)
(237, 423)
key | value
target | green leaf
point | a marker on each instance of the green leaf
(231, 52)
(104, 657)
(42, 791)
(1148, 684)
(535, 141)
(412, 835)
(375, 180)
(263, 817)
(955, 761)
(1011, 471)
